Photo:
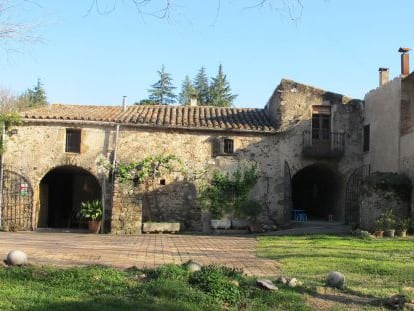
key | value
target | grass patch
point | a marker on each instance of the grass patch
(372, 267)
(170, 287)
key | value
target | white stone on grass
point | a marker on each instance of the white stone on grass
(292, 282)
(193, 266)
(266, 284)
(335, 279)
(16, 258)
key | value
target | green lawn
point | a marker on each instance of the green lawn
(168, 288)
(373, 267)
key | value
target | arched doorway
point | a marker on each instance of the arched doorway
(316, 190)
(61, 192)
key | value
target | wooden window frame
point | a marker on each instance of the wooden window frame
(73, 140)
(223, 146)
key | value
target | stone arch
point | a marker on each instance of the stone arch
(316, 189)
(61, 191)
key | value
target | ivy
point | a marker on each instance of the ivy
(8, 119)
(148, 169)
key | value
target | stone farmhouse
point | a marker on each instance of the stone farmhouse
(312, 148)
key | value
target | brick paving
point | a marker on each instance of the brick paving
(150, 250)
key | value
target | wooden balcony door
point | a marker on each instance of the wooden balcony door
(321, 128)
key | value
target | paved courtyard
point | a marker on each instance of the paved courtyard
(150, 250)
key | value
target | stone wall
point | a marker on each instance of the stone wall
(375, 203)
(175, 200)
(126, 214)
(290, 107)
(36, 149)
(39, 147)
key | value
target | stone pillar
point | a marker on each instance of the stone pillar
(126, 210)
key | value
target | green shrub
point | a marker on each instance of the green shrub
(225, 193)
(250, 209)
(169, 272)
(220, 283)
(400, 184)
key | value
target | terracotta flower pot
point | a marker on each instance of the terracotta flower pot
(379, 233)
(94, 226)
(401, 233)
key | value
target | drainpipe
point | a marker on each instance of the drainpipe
(114, 164)
(3, 136)
(103, 195)
(115, 151)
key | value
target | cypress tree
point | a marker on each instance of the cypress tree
(220, 91)
(202, 87)
(34, 97)
(162, 91)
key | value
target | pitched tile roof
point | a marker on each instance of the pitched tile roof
(183, 117)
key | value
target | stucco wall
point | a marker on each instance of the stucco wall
(382, 113)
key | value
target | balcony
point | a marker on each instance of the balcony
(323, 144)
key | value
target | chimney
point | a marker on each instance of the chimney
(383, 76)
(124, 106)
(193, 100)
(405, 61)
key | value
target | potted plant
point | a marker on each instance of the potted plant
(390, 222)
(402, 227)
(214, 200)
(92, 212)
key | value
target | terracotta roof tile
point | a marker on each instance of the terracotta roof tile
(199, 117)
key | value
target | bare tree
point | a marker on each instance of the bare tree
(9, 102)
(15, 29)
(164, 8)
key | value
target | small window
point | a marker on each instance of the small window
(222, 146)
(366, 138)
(228, 146)
(73, 140)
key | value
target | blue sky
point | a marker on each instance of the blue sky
(89, 58)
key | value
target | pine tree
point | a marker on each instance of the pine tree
(202, 88)
(220, 92)
(162, 91)
(187, 91)
(34, 97)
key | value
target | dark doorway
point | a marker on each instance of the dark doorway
(316, 190)
(61, 192)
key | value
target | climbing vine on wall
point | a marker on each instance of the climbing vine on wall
(225, 193)
(8, 119)
(148, 169)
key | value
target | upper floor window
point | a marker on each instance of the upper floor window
(223, 146)
(365, 147)
(73, 140)
(228, 145)
(321, 122)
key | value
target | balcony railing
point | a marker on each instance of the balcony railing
(323, 144)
